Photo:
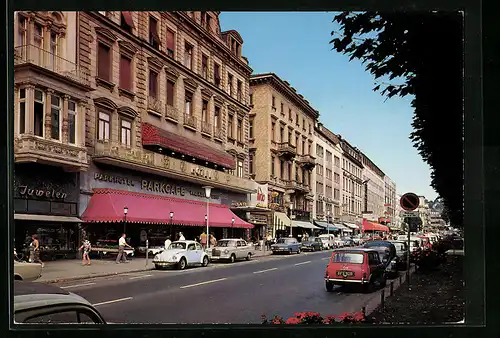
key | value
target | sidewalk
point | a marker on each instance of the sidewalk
(69, 270)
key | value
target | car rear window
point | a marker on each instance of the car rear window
(348, 257)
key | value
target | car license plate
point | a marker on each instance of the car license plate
(344, 273)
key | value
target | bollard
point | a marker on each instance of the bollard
(382, 299)
(391, 289)
(400, 279)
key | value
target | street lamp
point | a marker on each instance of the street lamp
(291, 213)
(125, 212)
(171, 216)
(328, 222)
(208, 190)
(232, 225)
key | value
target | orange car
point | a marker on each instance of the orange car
(352, 266)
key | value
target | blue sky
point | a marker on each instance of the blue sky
(295, 46)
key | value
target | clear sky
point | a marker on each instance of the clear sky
(295, 46)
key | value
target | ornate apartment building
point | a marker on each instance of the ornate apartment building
(373, 190)
(352, 184)
(282, 143)
(390, 200)
(328, 175)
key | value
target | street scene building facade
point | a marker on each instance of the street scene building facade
(373, 190)
(389, 203)
(282, 150)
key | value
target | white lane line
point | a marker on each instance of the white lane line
(143, 276)
(301, 263)
(75, 286)
(203, 283)
(325, 258)
(112, 301)
(261, 271)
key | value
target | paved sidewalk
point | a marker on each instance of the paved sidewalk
(69, 270)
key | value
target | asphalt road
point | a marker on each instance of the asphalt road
(236, 293)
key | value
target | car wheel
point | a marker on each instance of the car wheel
(232, 258)
(314, 248)
(298, 250)
(329, 286)
(205, 261)
(182, 264)
(249, 256)
(157, 267)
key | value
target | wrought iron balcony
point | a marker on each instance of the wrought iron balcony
(190, 121)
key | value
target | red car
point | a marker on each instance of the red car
(361, 266)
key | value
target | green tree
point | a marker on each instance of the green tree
(418, 54)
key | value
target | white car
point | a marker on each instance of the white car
(181, 254)
(231, 249)
(338, 242)
(327, 240)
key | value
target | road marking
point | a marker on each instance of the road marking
(143, 276)
(112, 301)
(261, 271)
(203, 283)
(325, 258)
(302, 263)
(75, 286)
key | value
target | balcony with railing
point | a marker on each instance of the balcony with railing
(286, 150)
(306, 161)
(32, 55)
(31, 148)
(171, 113)
(190, 121)
(293, 186)
(218, 133)
(206, 128)
(155, 106)
(277, 181)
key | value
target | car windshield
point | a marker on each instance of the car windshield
(348, 257)
(285, 241)
(226, 243)
(177, 245)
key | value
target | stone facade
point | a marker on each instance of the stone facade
(282, 143)
(373, 190)
(389, 198)
(352, 184)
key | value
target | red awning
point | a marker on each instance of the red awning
(106, 205)
(152, 135)
(127, 16)
(371, 226)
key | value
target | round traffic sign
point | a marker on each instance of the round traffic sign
(409, 201)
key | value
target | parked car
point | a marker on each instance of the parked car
(312, 244)
(231, 249)
(328, 240)
(387, 253)
(27, 271)
(181, 254)
(338, 242)
(39, 303)
(401, 253)
(358, 240)
(348, 241)
(286, 245)
(351, 266)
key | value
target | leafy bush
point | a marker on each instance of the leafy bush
(316, 318)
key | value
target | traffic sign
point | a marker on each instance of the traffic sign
(409, 214)
(409, 201)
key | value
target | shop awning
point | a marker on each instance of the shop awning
(47, 218)
(305, 225)
(106, 205)
(322, 224)
(371, 226)
(152, 135)
(352, 226)
(281, 221)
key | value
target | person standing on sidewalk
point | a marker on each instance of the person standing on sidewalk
(86, 246)
(181, 236)
(203, 239)
(35, 244)
(122, 256)
(167, 242)
(213, 240)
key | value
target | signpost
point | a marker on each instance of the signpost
(409, 202)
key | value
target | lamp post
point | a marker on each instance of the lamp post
(125, 212)
(328, 222)
(208, 190)
(232, 225)
(291, 214)
(171, 216)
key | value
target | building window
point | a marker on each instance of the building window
(217, 118)
(71, 122)
(239, 90)
(336, 178)
(251, 99)
(38, 36)
(188, 55)
(125, 73)
(297, 122)
(170, 93)
(239, 130)
(154, 39)
(204, 66)
(273, 160)
(230, 119)
(274, 102)
(55, 111)
(103, 62)
(126, 133)
(217, 75)
(22, 111)
(170, 43)
(329, 173)
(282, 169)
(188, 106)
(126, 22)
(239, 172)
(328, 156)
(204, 111)
(250, 128)
(282, 134)
(297, 143)
(153, 84)
(54, 50)
(22, 30)
(290, 115)
(273, 131)
(103, 127)
(282, 110)
(229, 84)
(250, 163)
(303, 147)
(39, 112)
(336, 161)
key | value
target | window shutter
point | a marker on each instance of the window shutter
(170, 40)
(125, 73)
(103, 62)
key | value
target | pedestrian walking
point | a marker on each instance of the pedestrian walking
(203, 239)
(122, 256)
(86, 247)
(167, 242)
(213, 240)
(35, 246)
(269, 239)
(181, 236)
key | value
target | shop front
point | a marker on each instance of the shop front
(150, 207)
(46, 204)
(256, 212)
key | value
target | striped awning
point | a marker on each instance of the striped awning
(281, 221)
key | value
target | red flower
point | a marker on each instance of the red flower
(330, 319)
(359, 316)
(293, 320)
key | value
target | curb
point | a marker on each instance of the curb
(106, 274)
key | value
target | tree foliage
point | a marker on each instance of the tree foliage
(424, 52)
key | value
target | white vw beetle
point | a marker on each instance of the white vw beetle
(181, 254)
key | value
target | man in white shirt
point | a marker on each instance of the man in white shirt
(122, 256)
(167, 242)
(181, 236)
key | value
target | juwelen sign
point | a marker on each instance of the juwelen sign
(409, 201)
